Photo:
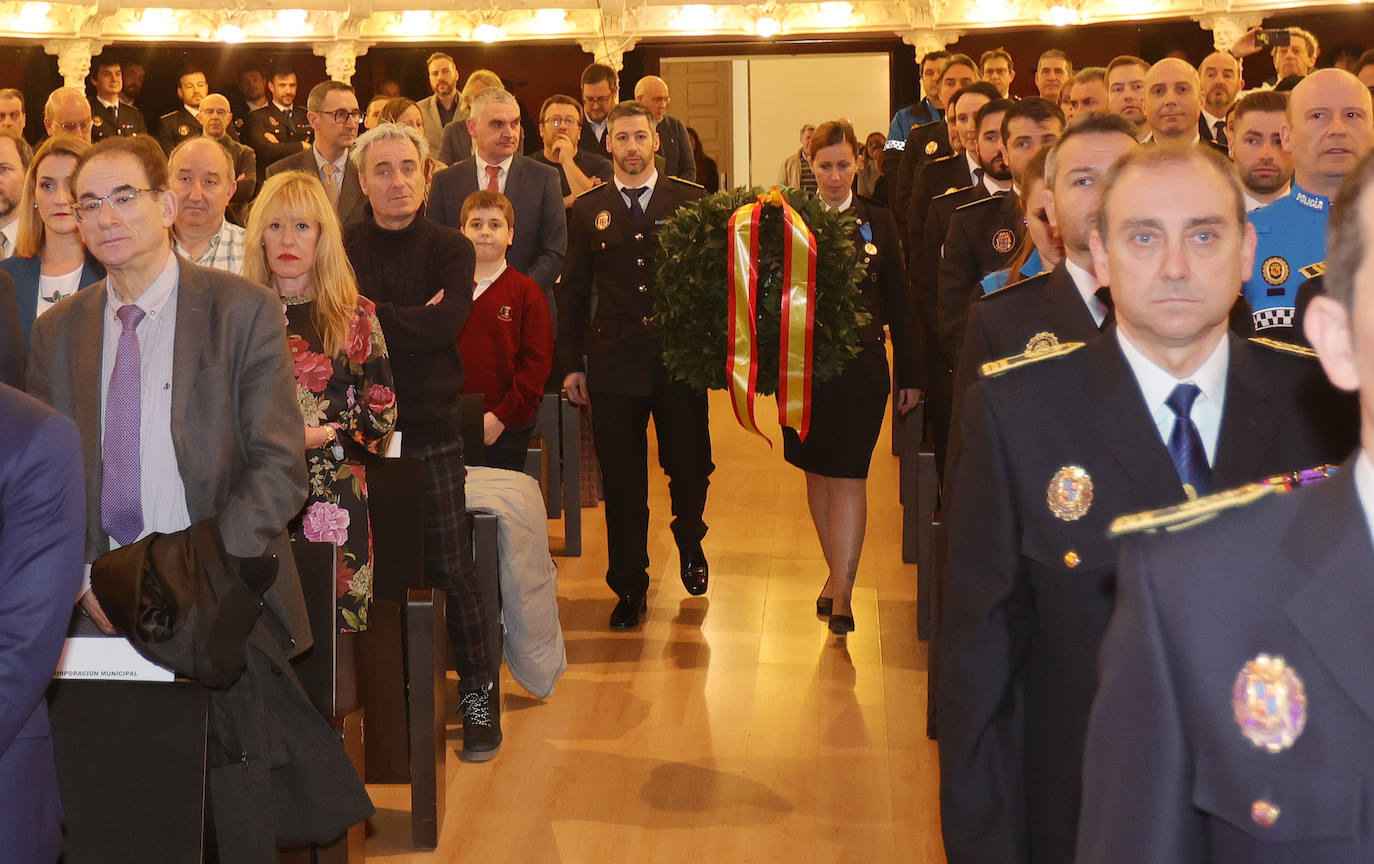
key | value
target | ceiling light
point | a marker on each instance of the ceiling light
(230, 33)
(767, 27)
(1063, 16)
(291, 21)
(836, 13)
(550, 20)
(415, 22)
(33, 17)
(488, 33)
(155, 22)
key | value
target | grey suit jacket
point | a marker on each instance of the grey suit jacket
(236, 427)
(675, 146)
(456, 142)
(434, 126)
(541, 228)
(351, 198)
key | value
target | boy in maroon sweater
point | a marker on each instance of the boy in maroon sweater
(507, 342)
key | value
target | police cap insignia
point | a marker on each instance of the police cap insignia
(931, 147)
(1269, 703)
(1070, 493)
(1003, 240)
(1274, 270)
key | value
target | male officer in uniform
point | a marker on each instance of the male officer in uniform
(948, 173)
(1236, 700)
(613, 240)
(927, 142)
(176, 126)
(1255, 142)
(108, 115)
(1328, 128)
(930, 109)
(281, 128)
(1159, 408)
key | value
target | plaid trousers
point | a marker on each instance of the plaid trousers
(448, 559)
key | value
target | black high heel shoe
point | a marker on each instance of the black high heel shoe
(841, 624)
(824, 605)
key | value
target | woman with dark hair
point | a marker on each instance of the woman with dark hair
(50, 260)
(847, 411)
(708, 174)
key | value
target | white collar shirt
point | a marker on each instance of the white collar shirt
(1156, 384)
(502, 175)
(649, 183)
(1087, 286)
(486, 282)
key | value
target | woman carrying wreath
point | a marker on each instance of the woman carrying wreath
(847, 411)
(343, 374)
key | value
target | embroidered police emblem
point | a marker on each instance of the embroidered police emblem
(1070, 493)
(97, 121)
(870, 249)
(603, 220)
(1269, 703)
(503, 313)
(931, 147)
(1003, 240)
(183, 130)
(1274, 270)
(1042, 341)
(273, 121)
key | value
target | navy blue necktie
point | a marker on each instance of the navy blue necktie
(1185, 444)
(636, 209)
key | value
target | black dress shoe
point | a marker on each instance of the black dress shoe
(841, 624)
(696, 573)
(824, 606)
(627, 611)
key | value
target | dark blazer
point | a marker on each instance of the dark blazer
(926, 273)
(541, 228)
(675, 147)
(290, 130)
(1287, 576)
(980, 240)
(11, 337)
(589, 143)
(455, 144)
(107, 122)
(946, 174)
(175, 127)
(884, 287)
(620, 345)
(27, 272)
(236, 427)
(925, 144)
(351, 198)
(42, 523)
(245, 171)
(1028, 595)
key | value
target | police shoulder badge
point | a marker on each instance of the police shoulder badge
(1274, 270)
(1003, 240)
(1070, 493)
(183, 130)
(931, 147)
(97, 120)
(603, 220)
(1269, 703)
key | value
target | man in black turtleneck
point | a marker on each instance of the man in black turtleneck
(420, 275)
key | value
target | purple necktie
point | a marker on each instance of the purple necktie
(121, 492)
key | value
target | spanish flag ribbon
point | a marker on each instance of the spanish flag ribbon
(797, 325)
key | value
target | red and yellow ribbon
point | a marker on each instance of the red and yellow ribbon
(798, 314)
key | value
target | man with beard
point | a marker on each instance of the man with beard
(1328, 127)
(600, 92)
(217, 119)
(15, 155)
(280, 128)
(614, 240)
(952, 172)
(1221, 81)
(133, 74)
(176, 126)
(560, 128)
(1256, 147)
(332, 110)
(440, 107)
(1126, 92)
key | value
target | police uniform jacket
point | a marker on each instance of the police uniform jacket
(290, 129)
(884, 287)
(907, 118)
(946, 174)
(1290, 236)
(123, 120)
(926, 278)
(606, 245)
(925, 144)
(1028, 594)
(1169, 776)
(175, 127)
(981, 239)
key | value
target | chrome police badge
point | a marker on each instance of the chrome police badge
(603, 220)
(1003, 240)
(1269, 703)
(1070, 493)
(1274, 270)
(931, 147)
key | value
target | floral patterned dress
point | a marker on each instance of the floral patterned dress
(353, 393)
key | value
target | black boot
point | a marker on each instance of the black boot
(481, 710)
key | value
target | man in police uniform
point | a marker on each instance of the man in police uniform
(1163, 406)
(928, 142)
(1236, 702)
(617, 363)
(1329, 127)
(176, 126)
(930, 109)
(108, 115)
(281, 128)
(948, 173)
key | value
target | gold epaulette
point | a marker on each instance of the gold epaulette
(1033, 354)
(1285, 347)
(1199, 510)
(587, 191)
(1312, 271)
(686, 182)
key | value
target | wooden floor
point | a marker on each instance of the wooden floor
(730, 727)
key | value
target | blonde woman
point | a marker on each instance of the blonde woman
(50, 260)
(343, 375)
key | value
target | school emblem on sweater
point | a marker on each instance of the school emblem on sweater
(1274, 270)
(1070, 493)
(503, 313)
(1269, 703)
(603, 220)
(931, 147)
(1003, 240)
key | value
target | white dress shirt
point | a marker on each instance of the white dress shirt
(1156, 385)
(1364, 489)
(501, 176)
(844, 205)
(483, 284)
(1087, 286)
(649, 183)
(11, 232)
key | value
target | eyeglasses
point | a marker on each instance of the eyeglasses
(215, 112)
(77, 128)
(342, 115)
(596, 100)
(121, 202)
(568, 122)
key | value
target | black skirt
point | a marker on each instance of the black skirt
(846, 417)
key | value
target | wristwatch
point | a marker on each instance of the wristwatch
(330, 435)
